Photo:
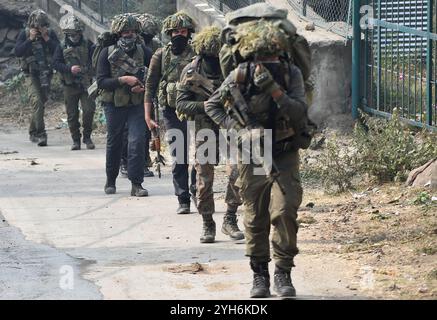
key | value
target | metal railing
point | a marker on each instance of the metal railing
(103, 10)
(397, 63)
(332, 15)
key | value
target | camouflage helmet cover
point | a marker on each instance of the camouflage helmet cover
(124, 22)
(149, 24)
(38, 19)
(208, 41)
(255, 12)
(260, 38)
(178, 20)
(71, 24)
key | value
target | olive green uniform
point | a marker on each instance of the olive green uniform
(36, 63)
(164, 72)
(264, 202)
(191, 103)
(75, 88)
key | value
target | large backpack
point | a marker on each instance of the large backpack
(106, 39)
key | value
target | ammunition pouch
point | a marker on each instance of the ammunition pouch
(162, 93)
(167, 94)
(300, 140)
(171, 94)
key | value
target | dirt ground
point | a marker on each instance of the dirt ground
(381, 227)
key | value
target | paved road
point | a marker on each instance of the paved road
(61, 237)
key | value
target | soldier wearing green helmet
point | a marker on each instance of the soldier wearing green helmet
(198, 81)
(72, 59)
(150, 27)
(35, 46)
(121, 70)
(266, 92)
(165, 69)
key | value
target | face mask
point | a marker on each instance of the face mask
(147, 37)
(74, 38)
(178, 44)
(213, 63)
(127, 43)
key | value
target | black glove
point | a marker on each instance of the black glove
(263, 79)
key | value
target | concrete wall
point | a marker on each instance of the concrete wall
(203, 13)
(332, 72)
(58, 8)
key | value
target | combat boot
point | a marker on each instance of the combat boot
(283, 285)
(230, 227)
(110, 187)
(89, 143)
(42, 141)
(138, 190)
(76, 145)
(208, 232)
(261, 279)
(184, 208)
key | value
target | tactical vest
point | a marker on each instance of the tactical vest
(261, 104)
(171, 68)
(78, 55)
(39, 60)
(203, 87)
(287, 137)
(123, 96)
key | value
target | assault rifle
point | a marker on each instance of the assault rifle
(241, 112)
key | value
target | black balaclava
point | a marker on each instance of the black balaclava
(147, 37)
(178, 44)
(212, 64)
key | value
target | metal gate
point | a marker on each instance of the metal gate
(394, 59)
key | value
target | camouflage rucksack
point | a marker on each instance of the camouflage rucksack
(106, 39)
(299, 50)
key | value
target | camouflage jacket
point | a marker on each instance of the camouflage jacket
(196, 85)
(164, 72)
(66, 56)
(285, 115)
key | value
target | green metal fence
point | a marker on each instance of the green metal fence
(394, 67)
(332, 15)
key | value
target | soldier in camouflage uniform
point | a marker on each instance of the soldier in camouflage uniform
(165, 69)
(121, 70)
(270, 91)
(36, 46)
(73, 61)
(198, 81)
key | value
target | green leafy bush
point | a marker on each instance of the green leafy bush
(389, 150)
(384, 150)
(17, 86)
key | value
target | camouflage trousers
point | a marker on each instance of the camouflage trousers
(72, 96)
(38, 96)
(205, 193)
(265, 206)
